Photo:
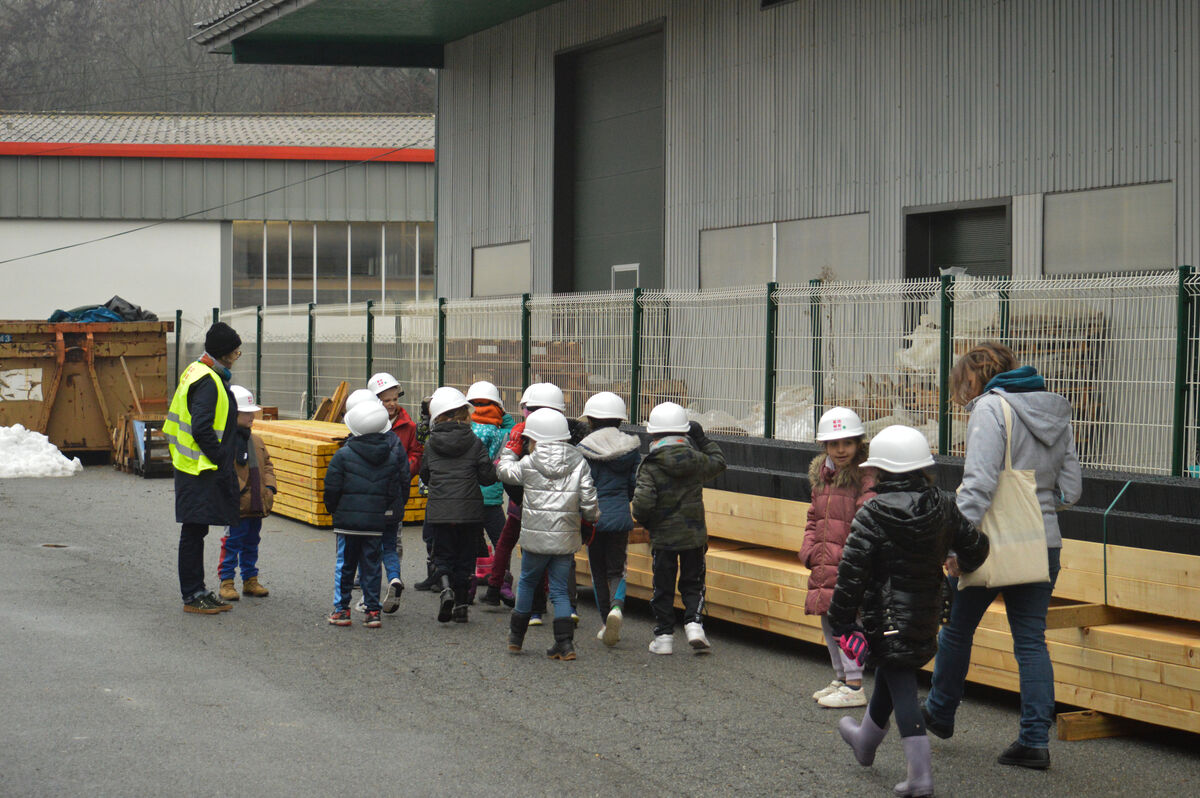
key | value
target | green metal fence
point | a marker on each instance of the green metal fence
(768, 360)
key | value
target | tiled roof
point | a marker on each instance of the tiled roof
(262, 130)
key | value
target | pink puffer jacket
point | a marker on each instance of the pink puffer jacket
(828, 526)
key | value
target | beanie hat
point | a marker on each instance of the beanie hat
(221, 339)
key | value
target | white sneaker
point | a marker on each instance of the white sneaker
(663, 644)
(845, 696)
(360, 606)
(832, 687)
(696, 638)
(391, 601)
(612, 627)
(600, 634)
(535, 620)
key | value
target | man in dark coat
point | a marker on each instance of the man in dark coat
(206, 487)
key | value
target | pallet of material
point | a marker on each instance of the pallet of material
(1109, 657)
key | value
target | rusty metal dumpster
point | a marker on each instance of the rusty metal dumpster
(74, 381)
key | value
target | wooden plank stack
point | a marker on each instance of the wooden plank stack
(1135, 656)
(139, 446)
(300, 452)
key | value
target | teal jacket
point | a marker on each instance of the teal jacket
(493, 439)
(669, 497)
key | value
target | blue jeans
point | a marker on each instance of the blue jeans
(239, 547)
(393, 550)
(1026, 606)
(361, 552)
(558, 567)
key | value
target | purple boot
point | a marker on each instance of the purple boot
(919, 783)
(863, 738)
(506, 591)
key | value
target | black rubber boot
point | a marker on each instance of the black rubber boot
(430, 579)
(491, 598)
(518, 622)
(459, 612)
(446, 600)
(564, 640)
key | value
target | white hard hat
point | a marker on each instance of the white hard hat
(839, 422)
(444, 400)
(544, 394)
(899, 449)
(381, 382)
(484, 390)
(358, 397)
(367, 417)
(245, 399)
(547, 425)
(667, 417)
(605, 404)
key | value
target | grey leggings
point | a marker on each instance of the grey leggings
(896, 691)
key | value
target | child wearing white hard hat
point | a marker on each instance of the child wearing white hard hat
(668, 500)
(891, 576)
(257, 487)
(839, 486)
(454, 467)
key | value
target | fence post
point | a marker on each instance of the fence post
(310, 405)
(1005, 336)
(441, 341)
(258, 333)
(1178, 427)
(818, 377)
(769, 366)
(526, 341)
(635, 359)
(370, 339)
(947, 352)
(216, 315)
(178, 341)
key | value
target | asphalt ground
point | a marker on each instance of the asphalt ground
(110, 689)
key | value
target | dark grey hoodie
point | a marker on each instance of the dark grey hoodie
(1042, 442)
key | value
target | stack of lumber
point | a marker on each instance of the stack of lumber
(333, 407)
(300, 452)
(1114, 657)
(139, 446)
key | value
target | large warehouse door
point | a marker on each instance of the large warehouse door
(609, 173)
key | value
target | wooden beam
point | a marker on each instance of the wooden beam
(1072, 615)
(1089, 724)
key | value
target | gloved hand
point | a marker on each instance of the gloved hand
(696, 433)
(854, 646)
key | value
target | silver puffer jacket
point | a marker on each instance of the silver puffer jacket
(558, 491)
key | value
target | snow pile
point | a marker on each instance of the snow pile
(25, 453)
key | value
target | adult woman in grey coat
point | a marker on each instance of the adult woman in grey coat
(983, 380)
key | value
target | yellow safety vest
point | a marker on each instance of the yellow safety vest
(177, 429)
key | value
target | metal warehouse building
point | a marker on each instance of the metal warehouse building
(589, 144)
(191, 212)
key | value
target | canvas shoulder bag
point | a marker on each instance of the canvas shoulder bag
(1014, 526)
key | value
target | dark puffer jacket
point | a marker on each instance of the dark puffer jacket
(613, 456)
(669, 497)
(454, 467)
(836, 497)
(892, 568)
(362, 483)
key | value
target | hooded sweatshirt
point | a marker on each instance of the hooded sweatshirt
(362, 483)
(454, 466)
(669, 497)
(613, 457)
(891, 568)
(492, 425)
(558, 491)
(1042, 442)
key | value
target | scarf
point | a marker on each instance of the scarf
(212, 363)
(490, 413)
(1020, 380)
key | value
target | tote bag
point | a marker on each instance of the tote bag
(1014, 526)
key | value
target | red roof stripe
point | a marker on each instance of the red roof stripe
(216, 151)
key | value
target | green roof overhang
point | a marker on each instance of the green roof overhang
(399, 33)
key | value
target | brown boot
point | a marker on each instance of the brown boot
(251, 587)
(228, 592)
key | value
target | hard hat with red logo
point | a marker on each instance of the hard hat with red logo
(839, 422)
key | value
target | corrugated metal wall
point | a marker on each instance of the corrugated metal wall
(172, 188)
(821, 107)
